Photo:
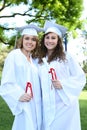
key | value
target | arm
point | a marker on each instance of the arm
(74, 82)
(10, 90)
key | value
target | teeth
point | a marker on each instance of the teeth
(29, 46)
(49, 45)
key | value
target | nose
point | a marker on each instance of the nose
(30, 40)
(50, 40)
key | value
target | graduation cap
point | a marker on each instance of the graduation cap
(58, 29)
(30, 29)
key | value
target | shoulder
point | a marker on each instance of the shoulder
(14, 51)
(71, 59)
(12, 54)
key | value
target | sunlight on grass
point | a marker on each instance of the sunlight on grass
(83, 95)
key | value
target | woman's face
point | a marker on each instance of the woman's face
(51, 41)
(29, 43)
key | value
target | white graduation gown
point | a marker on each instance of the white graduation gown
(61, 107)
(17, 72)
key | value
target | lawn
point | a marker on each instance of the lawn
(6, 117)
(83, 109)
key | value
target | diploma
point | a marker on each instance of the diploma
(53, 73)
(29, 89)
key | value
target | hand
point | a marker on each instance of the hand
(57, 84)
(25, 97)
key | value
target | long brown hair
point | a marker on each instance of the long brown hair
(19, 44)
(58, 52)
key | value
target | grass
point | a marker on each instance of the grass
(6, 117)
(83, 109)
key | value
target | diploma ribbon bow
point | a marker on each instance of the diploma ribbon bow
(29, 89)
(53, 73)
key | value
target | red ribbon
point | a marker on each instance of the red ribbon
(53, 73)
(29, 89)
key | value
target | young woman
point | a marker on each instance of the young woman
(20, 82)
(62, 80)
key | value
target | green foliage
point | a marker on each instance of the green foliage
(74, 34)
(85, 66)
(65, 12)
(85, 88)
(85, 70)
(3, 53)
(12, 2)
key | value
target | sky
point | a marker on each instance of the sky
(18, 20)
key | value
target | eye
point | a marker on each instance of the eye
(26, 38)
(33, 39)
(47, 37)
(53, 37)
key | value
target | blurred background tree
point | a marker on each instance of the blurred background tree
(65, 12)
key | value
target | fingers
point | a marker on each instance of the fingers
(25, 98)
(57, 84)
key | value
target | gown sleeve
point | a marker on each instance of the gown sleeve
(9, 89)
(74, 83)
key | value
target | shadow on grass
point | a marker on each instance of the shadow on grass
(83, 113)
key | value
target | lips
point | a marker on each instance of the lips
(29, 46)
(49, 44)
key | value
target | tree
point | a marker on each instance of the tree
(65, 12)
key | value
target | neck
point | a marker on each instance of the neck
(26, 53)
(49, 53)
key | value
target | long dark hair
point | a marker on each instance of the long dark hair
(58, 52)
